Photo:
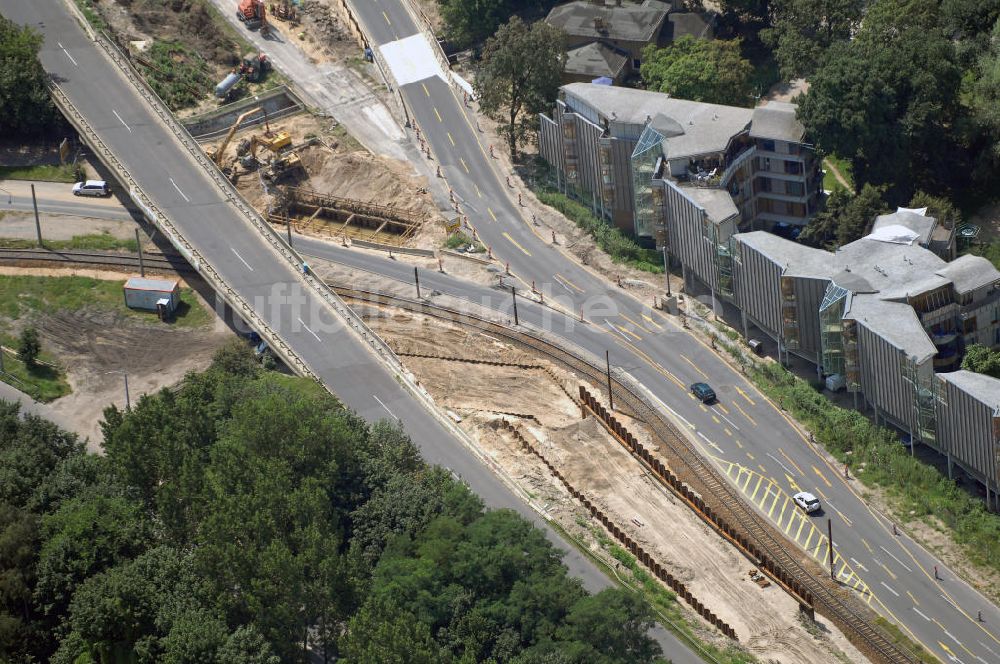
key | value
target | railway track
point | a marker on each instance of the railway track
(725, 501)
(152, 261)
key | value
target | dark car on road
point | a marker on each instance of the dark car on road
(704, 392)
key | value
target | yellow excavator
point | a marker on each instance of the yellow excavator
(217, 154)
(282, 159)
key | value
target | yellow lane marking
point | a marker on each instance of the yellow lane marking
(888, 571)
(744, 395)
(812, 531)
(703, 407)
(739, 444)
(464, 165)
(821, 494)
(659, 369)
(802, 522)
(652, 322)
(843, 516)
(789, 460)
(912, 598)
(750, 455)
(791, 521)
(478, 193)
(512, 240)
(760, 479)
(794, 486)
(728, 432)
(686, 359)
(426, 91)
(782, 513)
(716, 419)
(494, 218)
(822, 477)
(636, 324)
(745, 414)
(971, 654)
(722, 408)
(451, 139)
(762, 468)
(821, 544)
(437, 114)
(568, 283)
(777, 496)
(624, 331)
(386, 17)
(867, 545)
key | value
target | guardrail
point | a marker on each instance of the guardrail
(277, 242)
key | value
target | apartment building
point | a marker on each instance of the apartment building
(887, 318)
(644, 161)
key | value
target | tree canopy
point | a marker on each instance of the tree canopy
(845, 219)
(802, 30)
(248, 517)
(25, 106)
(470, 22)
(707, 70)
(519, 76)
(982, 359)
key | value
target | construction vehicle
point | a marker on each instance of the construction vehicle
(285, 11)
(216, 154)
(252, 67)
(253, 14)
(282, 159)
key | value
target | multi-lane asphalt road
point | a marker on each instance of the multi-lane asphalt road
(247, 262)
(745, 435)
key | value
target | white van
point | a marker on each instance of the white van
(92, 188)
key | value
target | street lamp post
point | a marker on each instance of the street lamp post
(124, 373)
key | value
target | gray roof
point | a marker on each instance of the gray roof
(982, 387)
(895, 270)
(138, 283)
(595, 59)
(627, 23)
(920, 224)
(700, 25)
(895, 322)
(799, 260)
(776, 120)
(707, 127)
(717, 203)
(970, 272)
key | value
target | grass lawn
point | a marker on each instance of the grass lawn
(830, 182)
(22, 295)
(41, 172)
(93, 242)
(42, 382)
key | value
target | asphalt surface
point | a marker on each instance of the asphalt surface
(58, 198)
(746, 436)
(251, 266)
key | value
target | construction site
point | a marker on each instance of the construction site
(524, 412)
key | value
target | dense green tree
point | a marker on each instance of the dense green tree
(25, 106)
(383, 633)
(248, 646)
(804, 29)
(845, 218)
(30, 448)
(938, 207)
(520, 76)
(885, 100)
(470, 22)
(18, 552)
(29, 346)
(708, 70)
(981, 87)
(614, 625)
(982, 359)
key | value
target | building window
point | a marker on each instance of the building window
(969, 325)
(794, 188)
(793, 168)
(767, 146)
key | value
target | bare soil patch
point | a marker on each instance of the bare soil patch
(539, 400)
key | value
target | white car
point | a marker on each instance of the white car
(92, 188)
(808, 502)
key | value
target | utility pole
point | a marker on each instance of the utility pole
(666, 269)
(38, 224)
(128, 402)
(611, 397)
(416, 279)
(289, 232)
(142, 264)
(829, 529)
(513, 295)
